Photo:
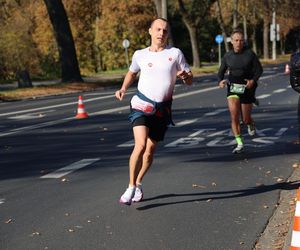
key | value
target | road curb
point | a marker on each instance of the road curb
(277, 234)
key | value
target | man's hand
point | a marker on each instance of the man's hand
(186, 77)
(223, 83)
(119, 94)
(249, 84)
(182, 74)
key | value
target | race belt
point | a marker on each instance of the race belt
(237, 88)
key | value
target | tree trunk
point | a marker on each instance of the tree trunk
(299, 118)
(23, 78)
(164, 9)
(235, 13)
(222, 25)
(254, 43)
(192, 32)
(194, 42)
(158, 6)
(245, 28)
(282, 45)
(266, 37)
(69, 65)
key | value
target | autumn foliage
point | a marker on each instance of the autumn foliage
(98, 27)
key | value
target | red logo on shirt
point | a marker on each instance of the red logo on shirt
(170, 58)
(150, 64)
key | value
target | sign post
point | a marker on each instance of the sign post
(219, 39)
(126, 44)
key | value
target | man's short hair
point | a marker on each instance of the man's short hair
(159, 18)
(237, 31)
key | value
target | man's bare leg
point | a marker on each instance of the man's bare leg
(246, 110)
(235, 111)
(147, 159)
(234, 107)
(136, 159)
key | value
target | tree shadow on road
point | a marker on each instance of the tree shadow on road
(219, 195)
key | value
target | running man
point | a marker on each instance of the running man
(159, 66)
(244, 70)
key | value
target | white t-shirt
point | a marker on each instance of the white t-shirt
(158, 71)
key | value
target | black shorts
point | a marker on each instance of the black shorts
(246, 98)
(157, 126)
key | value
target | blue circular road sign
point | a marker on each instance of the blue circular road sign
(219, 38)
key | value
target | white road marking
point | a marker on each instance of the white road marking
(194, 92)
(126, 144)
(47, 124)
(118, 109)
(2, 201)
(279, 90)
(263, 96)
(281, 131)
(185, 122)
(213, 138)
(69, 169)
(31, 115)
(31, 127)
(271, 76)
(55, 106)
(216, 112)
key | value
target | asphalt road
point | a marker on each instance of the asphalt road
(61, 177)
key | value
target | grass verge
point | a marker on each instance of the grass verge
(100, 81)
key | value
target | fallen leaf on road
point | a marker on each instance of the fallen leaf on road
(296, 165)
(71, 230)
(297, 142)
(265, 206)
(209, 200)
(64, 179)
(214, 184)
(8, 221)
(36, 233)
(292, 202)
(198, 186)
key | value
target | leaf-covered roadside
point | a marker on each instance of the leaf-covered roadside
(57, 89)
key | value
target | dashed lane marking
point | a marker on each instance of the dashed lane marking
(263, 96)
(108, 111)
(279, 90)
(216, 112)
(31, 115)
(186, 122)
(126, 144)
(70, 168)
(54, 106)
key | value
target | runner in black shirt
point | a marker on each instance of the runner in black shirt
(244, 70)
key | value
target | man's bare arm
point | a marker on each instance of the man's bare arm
(128, 80)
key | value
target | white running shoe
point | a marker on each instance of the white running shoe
(138, 195)
(251, 129)
(126, 198)
(239, 149)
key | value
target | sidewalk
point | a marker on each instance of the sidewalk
(278, 231)
(102, 78)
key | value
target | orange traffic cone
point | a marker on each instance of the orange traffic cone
(81, 113)
(287, 69)
(295, 244)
